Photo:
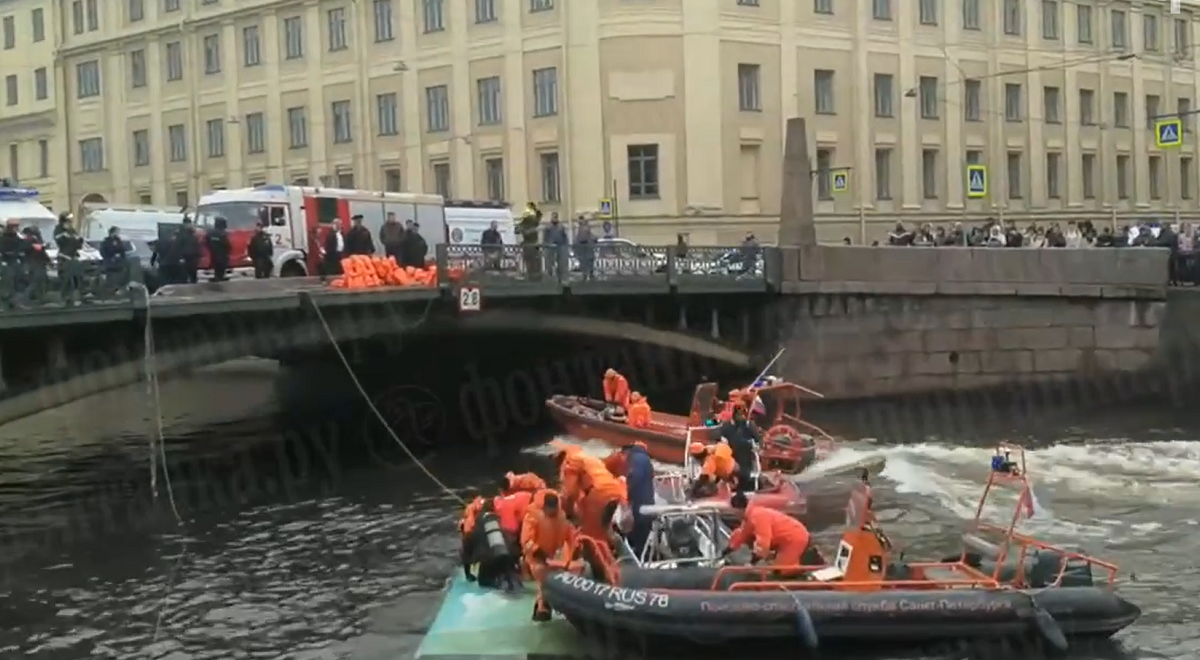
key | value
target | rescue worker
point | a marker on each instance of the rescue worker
(743, 439)
(187, 250)
(591, 492)
(219, 249)
(546, 535)
(716, 465)
(261, 252)
(639, 486)
(358, 238)
(466, 529)
(391, 236)
(526, 481)
(769, 532)
(37, 263)
(616, 392)
(10, 257)
(494, 549)
(70, 271)
(331, 256)
(638, 416)
(510, 507)
(113, 255)
(527, 228)
(726, 412)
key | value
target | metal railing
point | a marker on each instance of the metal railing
(35, 283)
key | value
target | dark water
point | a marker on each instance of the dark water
(317, 540)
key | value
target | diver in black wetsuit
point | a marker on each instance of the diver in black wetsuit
(743, 438)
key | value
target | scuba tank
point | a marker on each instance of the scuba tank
(495, 545)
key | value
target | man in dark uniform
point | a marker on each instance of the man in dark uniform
(358, 239)
(112, 252)
(187, 250)
(10, 264)
(262, 251)
(743, 438)
(219, 248)
(70, 271)
(37, 263)
(335, 245)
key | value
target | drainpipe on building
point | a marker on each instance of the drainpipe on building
(568, 204)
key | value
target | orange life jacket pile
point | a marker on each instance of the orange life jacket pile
(369, 272)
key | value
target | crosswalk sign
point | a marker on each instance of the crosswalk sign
(977, 185)
(841, 180)
(605, 207)
(1168, 133)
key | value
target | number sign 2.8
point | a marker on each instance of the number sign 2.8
(469, 299)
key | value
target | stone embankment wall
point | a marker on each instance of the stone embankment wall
(867, 322)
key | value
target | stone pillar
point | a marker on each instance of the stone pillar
(56, 354)
(796, 225)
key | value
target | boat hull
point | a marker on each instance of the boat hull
(703, 618)
(664, 438)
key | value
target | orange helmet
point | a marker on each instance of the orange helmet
(697, 448)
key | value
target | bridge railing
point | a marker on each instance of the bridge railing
(606, 266)
(36, 284)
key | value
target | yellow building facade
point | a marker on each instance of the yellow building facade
(672, 109)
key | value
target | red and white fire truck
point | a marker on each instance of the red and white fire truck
(299, 217)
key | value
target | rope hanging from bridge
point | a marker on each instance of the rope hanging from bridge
(371, 404)
(158, 452)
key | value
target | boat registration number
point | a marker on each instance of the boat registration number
(616, 595)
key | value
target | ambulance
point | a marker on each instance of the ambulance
(21, 205)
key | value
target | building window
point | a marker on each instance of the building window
(181, 197)
(1120, 30)
(1183, 107)
(1088, 175)
(137, 10)
(1050, 19)
(929, 175)
(14, 162)
(87, 79)
(972, 100)
(38, 18)
(928, 12)
(749, 97)
(93, 16)
(345, 180)
(970, 14)
(1122, 177)
(174, 61)
(1120, 110)
(251, 46)
(748, 3)
(1155, 176)
(212, 54)
(545, 92)
(91, 154)
(1083, 23)
(1152, 110)
(297, 128)
(1087, 107)
(10, 32)
(170, 5)
(215, 129)
(137, 68)
(548, 165)
(293, 38)
(256, 133)
(337, 29)
(494, 171)
(1051, 103)
(41, 84)
(1183, 38)
(12, 90)
(177, 141)
(928, 87)
(824, 177)
(1012, 102)
(485, 11)
(643, 171)
(1014, 175)
(441, 178)
(881, 10)
(540, 5)
(884, 105)
(823, 92)
(384, 27)
(391, 179)
(488, 91)
(342, 131)
(437, 108)
(1185, 178)
(1012, 17)
(883, 174)
(386, 110)
(435, 20)
(43, 158)
(1150, 38)
(1053, 166)
(823, 7)
(77, 21)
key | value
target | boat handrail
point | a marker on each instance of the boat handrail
(862, 585)
(1026, 542)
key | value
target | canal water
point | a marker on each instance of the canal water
(308, 536)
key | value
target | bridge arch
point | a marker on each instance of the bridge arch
(267, 339)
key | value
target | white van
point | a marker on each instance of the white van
(466, 222)
(20, 205)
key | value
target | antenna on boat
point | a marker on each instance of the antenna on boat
(770, 364)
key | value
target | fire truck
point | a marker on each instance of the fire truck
(299, 217)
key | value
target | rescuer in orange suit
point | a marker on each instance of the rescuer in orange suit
(638, 415)
(769, 531)
(510, 509)
(545, 535)
(466, 525)
(616, 390)
(526, 481)
(590, 491)
(716, 465)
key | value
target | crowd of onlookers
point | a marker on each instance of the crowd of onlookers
(1183, 240)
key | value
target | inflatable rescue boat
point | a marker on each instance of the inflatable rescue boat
(1010, 587)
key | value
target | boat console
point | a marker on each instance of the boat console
(680, 535)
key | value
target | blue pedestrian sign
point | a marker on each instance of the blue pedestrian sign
(841, 180)
(977, 184)
(605, 207)
(1168, 133)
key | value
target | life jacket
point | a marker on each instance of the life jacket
(526, 481)
(466, 524)
(510, 509)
